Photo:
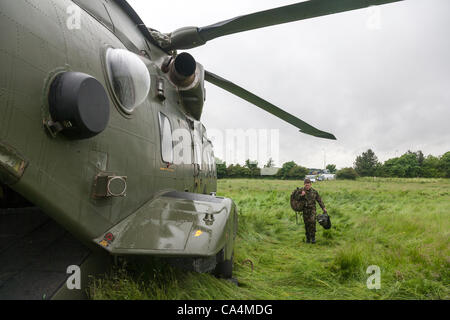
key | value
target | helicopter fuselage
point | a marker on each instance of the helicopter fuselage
(90, 185)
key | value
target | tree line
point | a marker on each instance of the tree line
(289, 170)
(409, 165)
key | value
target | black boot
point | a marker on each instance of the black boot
(313, 239)
(308, 240)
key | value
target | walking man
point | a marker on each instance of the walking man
(310, 196)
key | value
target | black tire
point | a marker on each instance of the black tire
(224, 268)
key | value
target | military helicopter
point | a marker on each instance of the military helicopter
(101, 130)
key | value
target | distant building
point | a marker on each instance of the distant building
(269, 171)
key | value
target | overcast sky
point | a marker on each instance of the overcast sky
(379, 81)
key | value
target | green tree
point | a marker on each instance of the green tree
(241, 172)
(430, 167)
(297, 172)
(398, 171)
(236, 171)
(331, 168)
(253, 169)
(270, 164)
(221, 168)
(251, 164)
(347, 174)
(410, 161)
(284, 171)
(230, 171)
(391, 168)
(444, 165)
(379, 170)
(420, 157)
(366, 164)
(406, 166)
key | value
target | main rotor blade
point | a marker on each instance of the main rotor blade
(265, 105)
(191, 37)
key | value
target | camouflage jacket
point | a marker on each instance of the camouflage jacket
(310, 198)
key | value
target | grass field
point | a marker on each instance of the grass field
(400, 225)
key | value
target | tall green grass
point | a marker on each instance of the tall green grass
(400, 225)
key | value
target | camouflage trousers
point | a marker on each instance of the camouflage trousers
(309, 217)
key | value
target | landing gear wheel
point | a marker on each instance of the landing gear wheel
(224, 268)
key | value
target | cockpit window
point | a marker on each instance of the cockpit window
(129, 78)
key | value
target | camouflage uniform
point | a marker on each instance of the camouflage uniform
(309, 211)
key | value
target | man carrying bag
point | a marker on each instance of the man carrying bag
(304, 200)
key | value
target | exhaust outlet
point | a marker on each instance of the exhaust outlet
(189, 78)
(182, 70)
